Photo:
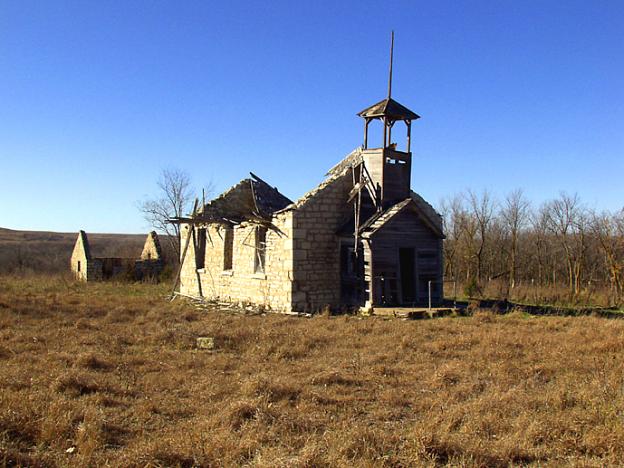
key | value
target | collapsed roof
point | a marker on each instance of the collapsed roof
(251, 198)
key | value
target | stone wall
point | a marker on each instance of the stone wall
(316, 219)
(271, 288)
(82, 265)
(151, 248)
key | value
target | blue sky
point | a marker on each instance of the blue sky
(97, 97)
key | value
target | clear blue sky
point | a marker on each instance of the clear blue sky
(96, 97)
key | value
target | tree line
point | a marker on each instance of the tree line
(560, 250)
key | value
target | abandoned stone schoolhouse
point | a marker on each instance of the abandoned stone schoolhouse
(361, 238)
(87, 265)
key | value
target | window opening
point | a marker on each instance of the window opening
(200, 248)
(228, 248)
(348, 260)
(260, 249)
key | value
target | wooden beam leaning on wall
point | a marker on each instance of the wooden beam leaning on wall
(186, 246)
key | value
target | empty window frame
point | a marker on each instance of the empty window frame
(260, 249)
(200, 248)
(228, 248)
(395, 161)
(348, 261)
(78, 266)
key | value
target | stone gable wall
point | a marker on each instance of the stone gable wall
(90, 269)
(151, 251)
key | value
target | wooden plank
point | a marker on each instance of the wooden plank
(186, 245)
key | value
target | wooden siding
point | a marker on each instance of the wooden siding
(405, 230)
(390, 171)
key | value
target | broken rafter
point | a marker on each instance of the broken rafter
(358, 212)
(253, 195)
(369, 185)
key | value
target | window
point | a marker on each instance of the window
(348, 260)
(260, 249)
(228, 248)
(79, 266)
(200, 248)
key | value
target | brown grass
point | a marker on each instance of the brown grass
(112, 371)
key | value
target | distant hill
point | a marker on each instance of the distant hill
(50, 251)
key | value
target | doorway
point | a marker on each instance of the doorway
(408, 277)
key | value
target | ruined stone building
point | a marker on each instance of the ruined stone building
(360, 238)
(86, 266)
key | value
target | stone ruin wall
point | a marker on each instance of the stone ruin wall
(90, 269)
(149, 265)
(150, 248)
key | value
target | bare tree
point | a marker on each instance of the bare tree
(467, 239)
(515, 214)
(558, 244)
(452, 212)
(173, 200)
(567, 221)
(539, 227)
(609, 230)
(482, 208)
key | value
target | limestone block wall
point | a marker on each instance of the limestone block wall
(90, 269)
(272, 289)
(78, 264)
(317, 247)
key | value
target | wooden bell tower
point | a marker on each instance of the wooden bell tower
(389, 168)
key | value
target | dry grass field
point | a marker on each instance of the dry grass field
(108, 374)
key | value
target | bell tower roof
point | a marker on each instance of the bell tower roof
(388, 108)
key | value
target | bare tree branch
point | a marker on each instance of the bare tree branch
(173, 199)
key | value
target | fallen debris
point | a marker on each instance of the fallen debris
(236, 308)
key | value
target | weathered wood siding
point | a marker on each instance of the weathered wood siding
(391, 171)
(405, 230)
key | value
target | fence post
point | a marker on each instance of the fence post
(429, 285)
